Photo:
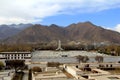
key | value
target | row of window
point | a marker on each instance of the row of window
(15, 55)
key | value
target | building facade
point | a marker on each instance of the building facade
(15, 55)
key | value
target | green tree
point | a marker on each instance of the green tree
(117, 51)
(82, 58)
(79, 58)
(1, 65)
(36, 69)
(16, 64)
(85, 59)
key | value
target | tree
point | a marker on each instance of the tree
(36, 69)
(99, 58)
(118, 51)
(79, 58)
(82, 58)
(1, 65)
(16, 64)
(85, 59)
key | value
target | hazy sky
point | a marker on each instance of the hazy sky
(104, 13)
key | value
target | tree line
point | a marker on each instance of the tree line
(84, 59)
(105, 49)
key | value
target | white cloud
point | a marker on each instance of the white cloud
(117, 28)
(26, 11)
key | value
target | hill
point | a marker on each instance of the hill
(82, 32)
(11, 30)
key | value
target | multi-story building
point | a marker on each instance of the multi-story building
(15, 55)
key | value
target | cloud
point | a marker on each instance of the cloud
(117, 28)
(31, 11)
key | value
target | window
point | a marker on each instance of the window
(22, 57)
(22, 54)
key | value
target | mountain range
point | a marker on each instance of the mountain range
(79, 32)
(11, 30)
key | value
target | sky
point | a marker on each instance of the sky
(105, 13)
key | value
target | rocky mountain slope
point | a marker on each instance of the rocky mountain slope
(85, 31)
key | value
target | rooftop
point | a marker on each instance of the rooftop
(15, 52)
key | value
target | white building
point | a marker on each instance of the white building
(15, 55)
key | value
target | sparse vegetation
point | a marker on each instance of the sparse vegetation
(1, 65)
(15, 47)
(53, 64)
(79, 58)
(36, 69)
(113, 50)
(83, 59)
(15, 64)
(104, 49)
(99, 58)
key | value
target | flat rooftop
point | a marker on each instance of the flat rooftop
(15, 52)
(54, 74)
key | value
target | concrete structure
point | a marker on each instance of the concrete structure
(41, 58)
(54, 74)
(53, 69)
(96, 65)
(48, 76)
(94, 74)
(42, 65)
(74, 72)
(106, 77)
(59, 46)
(99, 71)
(6, 75)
